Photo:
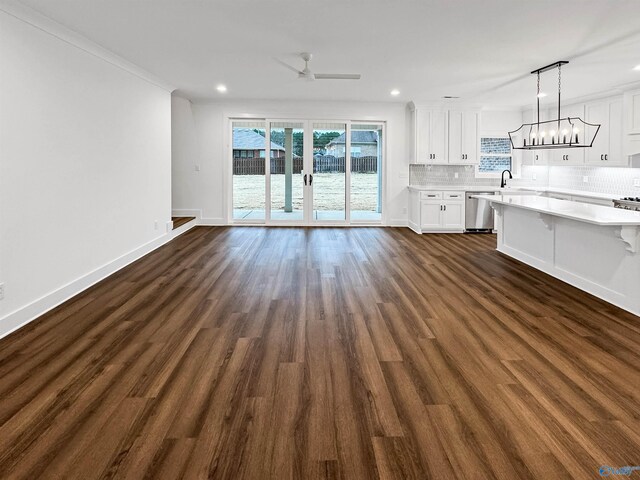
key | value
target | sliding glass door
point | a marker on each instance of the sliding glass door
(292, 172)
(248, 157)
(329, 185)
(287, 190)
(366, 172)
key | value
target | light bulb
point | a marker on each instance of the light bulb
(552, 133)
(576, 130)
(542, 134)
(533, 134)
(565, 131)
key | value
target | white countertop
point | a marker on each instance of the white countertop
(583, 212)
(457, 188)
(476, 188)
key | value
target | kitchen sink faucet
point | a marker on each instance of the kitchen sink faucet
(503, 183)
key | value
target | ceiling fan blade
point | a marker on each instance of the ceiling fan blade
(337, 76)
(286, 65)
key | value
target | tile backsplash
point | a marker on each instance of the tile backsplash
(445, 175)
(618, 181)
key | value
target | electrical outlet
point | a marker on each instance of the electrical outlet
(456, 175)
(585, 179)
(535, 177)
(636, 182)
(1, 291)
(197, 168)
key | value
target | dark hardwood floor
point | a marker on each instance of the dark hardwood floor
(255, 353)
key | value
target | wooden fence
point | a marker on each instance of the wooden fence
(321, 164)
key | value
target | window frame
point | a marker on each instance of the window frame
(515, 158)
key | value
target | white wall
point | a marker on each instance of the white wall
(85, 167)
(206, 125)
(184, 154)
(499, 122)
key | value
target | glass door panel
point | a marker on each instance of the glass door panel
(329, 172)
(287, 164)
(248, 160)
(366, 172)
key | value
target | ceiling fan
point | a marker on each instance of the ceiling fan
(308, 75)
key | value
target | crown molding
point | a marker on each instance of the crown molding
(37, 20)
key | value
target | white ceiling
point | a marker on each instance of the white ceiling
(481, 50)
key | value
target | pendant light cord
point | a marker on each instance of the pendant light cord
(559, 90)
(538, 99)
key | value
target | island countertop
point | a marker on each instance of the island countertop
(583, 212)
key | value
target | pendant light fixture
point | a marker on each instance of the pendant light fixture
(567, 132)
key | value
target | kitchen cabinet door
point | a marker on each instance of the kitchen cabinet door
(422, 131)
(607, 146)
(533, 157)
(616, 154)
(439, 136)
(456, 132)
(453, 216)
(463, 137)
(567, 156)
(598, 112)
(470, 140)
(430, 213)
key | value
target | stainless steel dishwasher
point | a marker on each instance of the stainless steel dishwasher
(478, 214)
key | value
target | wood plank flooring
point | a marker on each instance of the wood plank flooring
(179, 221)
(364, 353)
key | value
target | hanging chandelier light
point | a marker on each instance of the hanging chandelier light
(567, 132)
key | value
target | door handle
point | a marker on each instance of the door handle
(310, 179)
(305, 179)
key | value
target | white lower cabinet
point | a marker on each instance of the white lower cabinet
(435, 211)
(430, 215)
(453, 215)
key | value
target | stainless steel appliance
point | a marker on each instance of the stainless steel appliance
(628, 203)
(478, 213)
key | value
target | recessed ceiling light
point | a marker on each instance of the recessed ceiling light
(395, 92)
(542, 95)
(221, 88)
(637, 68)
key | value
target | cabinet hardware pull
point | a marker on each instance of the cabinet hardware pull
(601, 157)
(606, 157)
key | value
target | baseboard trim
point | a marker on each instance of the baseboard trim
(26, 314)
(398, 222)
(187, 213)
(212, 222)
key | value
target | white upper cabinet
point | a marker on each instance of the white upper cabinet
(607, 146)
(567, 156)
(463, 136)
(534, 157)
(446, 136)
(438, 135)
(431, 134)
(631, 129)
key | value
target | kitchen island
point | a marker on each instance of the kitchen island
(592, 247)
